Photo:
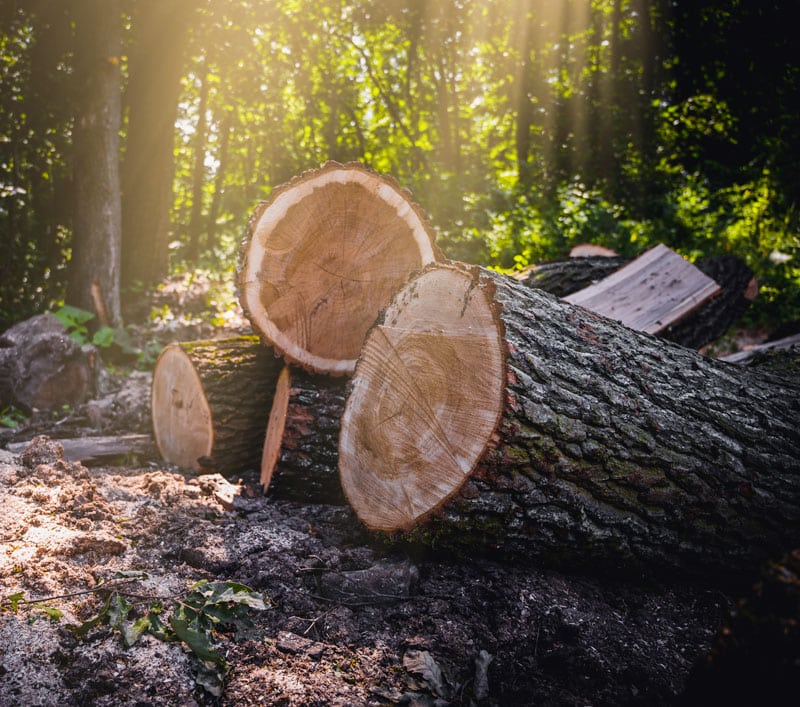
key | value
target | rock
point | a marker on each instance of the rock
(42, 367)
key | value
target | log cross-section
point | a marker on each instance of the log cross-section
(484, 413)
(323, 256)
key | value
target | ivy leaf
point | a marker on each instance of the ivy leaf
(132, 631)
(52, 613)
(99, 618)
(198, 640)
(14, 600)
(118, 610)
(103, 337)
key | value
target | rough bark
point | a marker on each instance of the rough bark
(300, 456)
(551, 433)
(210, 401)
(97, 220)
(563, 277)
(323, 256)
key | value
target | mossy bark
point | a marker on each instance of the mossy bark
(620, 449)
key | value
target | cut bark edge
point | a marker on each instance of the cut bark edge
(298, 353)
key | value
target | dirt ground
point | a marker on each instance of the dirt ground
(443, 632)
(349, 619)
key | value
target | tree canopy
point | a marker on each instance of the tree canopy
(523, 127)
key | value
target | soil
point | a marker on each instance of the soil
(351, 619)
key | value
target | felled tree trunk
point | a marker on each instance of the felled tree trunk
(563, 277)
(300, 456)
(487, 414)
(323, 256)
(713, 318)
(210, 401)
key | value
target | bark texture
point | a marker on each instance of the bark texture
(614, 447)
(210, 403)
(304, 466)
(563, 277)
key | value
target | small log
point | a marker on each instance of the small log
(789, 344)
(210, 401)
(484, 413)
(323, 255)
(300, 458)
(99, 451)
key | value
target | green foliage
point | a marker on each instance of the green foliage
(11, 417)
(193, 619)
(521, 128)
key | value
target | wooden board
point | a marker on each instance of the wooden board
(94, 451)
(650, 293)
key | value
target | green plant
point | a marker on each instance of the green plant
(11, 417)
(75, 320)
(193, 618)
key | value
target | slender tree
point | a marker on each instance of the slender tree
(94, 268)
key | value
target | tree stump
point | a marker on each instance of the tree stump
(210, 401)
(484, 413)
(323, 256)
(300, 459)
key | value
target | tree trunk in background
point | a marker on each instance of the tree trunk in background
(219, 179)
(199, 172)
(94, 269)
(160, 32)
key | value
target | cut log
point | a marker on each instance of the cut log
(650, 293)
(323, 256)
(708, 322)
(300, 458)
(484, 413)
(210, 401)
(563, 277)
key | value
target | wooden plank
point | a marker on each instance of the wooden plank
(650, 293)
(746, 354)
(94, 451)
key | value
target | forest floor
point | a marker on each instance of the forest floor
(347, 619)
